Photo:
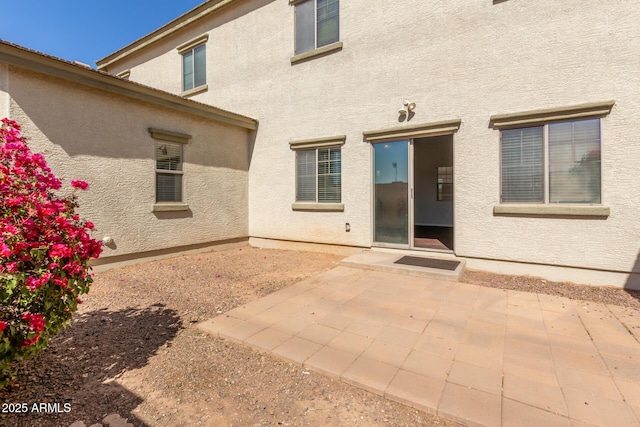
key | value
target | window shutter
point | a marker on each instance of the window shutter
(522, 165)
(305, 22)
(328, 14)
(574, 162)
(306, 176)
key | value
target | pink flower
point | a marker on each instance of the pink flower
(29, 342)
(5, 251)
(63, 283)
(3, 325)
(11, 267)
(60, 250)
(34, 283)
(36, 321)
(82, 185)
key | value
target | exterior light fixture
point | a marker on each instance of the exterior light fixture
(406, 107)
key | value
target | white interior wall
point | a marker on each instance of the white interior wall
(429, 154)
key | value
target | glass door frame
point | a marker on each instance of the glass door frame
(410, 194)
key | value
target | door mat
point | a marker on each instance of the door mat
(441, 264)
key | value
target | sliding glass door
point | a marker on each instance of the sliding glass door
(391, 193)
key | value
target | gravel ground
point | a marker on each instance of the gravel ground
(133, 349)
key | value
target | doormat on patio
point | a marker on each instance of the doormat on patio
(441, 264)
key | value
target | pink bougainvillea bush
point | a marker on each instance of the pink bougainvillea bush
(44, 251)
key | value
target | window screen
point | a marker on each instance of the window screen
(329, 175)
(305, 23)
(194, 68)
(574, 162)
(319, 175)
(306, 176)
(317, 24)
(523, 165)
(328, 25)
(168, 172)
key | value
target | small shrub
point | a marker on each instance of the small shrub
(44, 250)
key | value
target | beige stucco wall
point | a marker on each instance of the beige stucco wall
(455, 59)
(4, 90)
(103, 138)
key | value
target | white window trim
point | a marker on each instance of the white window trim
(175, 138)
(315, 144)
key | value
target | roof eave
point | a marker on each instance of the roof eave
(32, 60)
(177, 24)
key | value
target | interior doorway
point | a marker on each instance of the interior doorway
(433, 193)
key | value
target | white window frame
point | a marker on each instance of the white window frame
(329, 46)
(317, 174)
(546, 165)
(190, 47)
(163, 137)
(315, 144)
(178, 172)
(532, 118)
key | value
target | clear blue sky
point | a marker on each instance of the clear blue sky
(85, 30)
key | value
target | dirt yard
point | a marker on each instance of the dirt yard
(133, 349)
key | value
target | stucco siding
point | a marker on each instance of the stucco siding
(4, 90)
(455, 60)
(103, 138)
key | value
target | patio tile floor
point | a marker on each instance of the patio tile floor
(479, 356)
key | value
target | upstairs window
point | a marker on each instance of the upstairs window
(317, 24)
(194, 64)
(194, 68)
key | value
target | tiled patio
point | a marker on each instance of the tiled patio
(477, 355)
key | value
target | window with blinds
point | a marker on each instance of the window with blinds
(570, 175)
(194, 72)
(523, 165)
(445, 184)
(168, 172)
(317, 24)
(319, 175)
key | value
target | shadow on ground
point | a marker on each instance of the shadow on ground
(78, 365)
(633, 282)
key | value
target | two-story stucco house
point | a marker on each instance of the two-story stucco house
(500, 131)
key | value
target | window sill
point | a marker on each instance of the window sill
(170, 207)
(195, 90)
(552, 210)
(324, 207)
(321, 51)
